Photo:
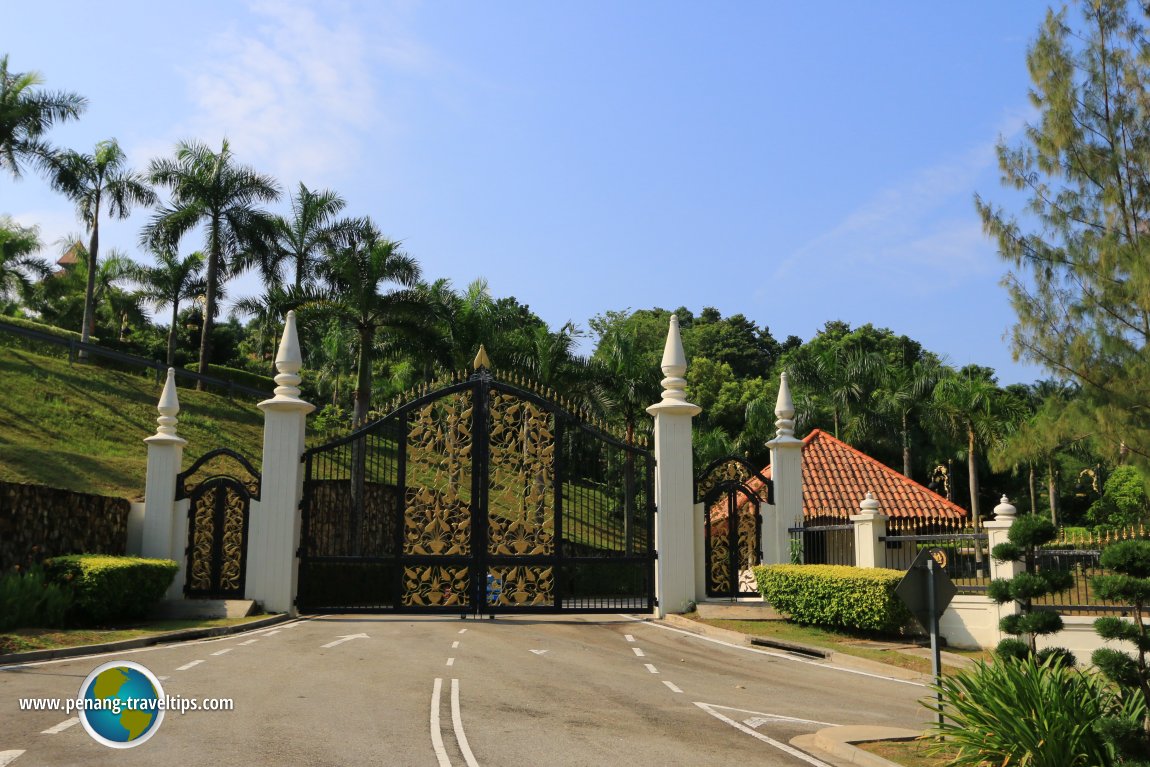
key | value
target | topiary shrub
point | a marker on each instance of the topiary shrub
(1027, 533)
(1129, 583)
(28, 600)
(107, 588)
(860, 598)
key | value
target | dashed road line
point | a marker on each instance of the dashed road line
(187, 666)
(250, 641)
(451, 661)
(272, 633)
(455, 645)
(629, 638)
(163, 678)
(462, 631)
(7, 757)
(61, 726)
(224, 651)
(651, 668)
(638, 652)
(671, 686)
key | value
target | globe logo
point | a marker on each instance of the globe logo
(121, 704)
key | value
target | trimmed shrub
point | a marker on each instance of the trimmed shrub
(835, 595)
(106, 588)
(28, 600)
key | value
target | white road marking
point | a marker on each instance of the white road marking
(538, 652)
(639, 653)
(671, 686)
(629, 638)
(782, 656)
(455, 645)
(342, 639)
(770, 741)
(451, 661)
(187, 666)
(7, 757)
(651, 668)
(224, 651)
(272, 633)
(462, 631)
(457, 720)
(163, 678)
(250, 641)
(766, 717)
(61, 726)
(436, 735)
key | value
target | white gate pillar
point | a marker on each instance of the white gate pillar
(869, 530)
(787, 476)
(674, 482)
(273, 530)
(160, 533)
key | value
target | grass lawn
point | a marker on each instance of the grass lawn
(23, 640)
(859, 645)
(909, 753)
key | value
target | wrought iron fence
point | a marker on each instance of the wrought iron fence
(965, 556)
(1079, 553)
(823, 544)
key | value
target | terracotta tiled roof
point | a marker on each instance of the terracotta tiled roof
(836, 477)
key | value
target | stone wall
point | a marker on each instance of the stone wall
(38, 521)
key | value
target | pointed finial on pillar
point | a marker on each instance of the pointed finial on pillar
(289, 361)
(169, 408)
(674, 366)
(785, 409)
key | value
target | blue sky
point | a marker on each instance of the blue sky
(796, 162)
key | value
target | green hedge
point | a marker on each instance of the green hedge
(835, 595)
(106, 588)
(28, 600)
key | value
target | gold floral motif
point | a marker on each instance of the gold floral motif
(437, 518)
(521, 586)
(223, 465)
(433, 586)
(203, 519)
(730, 470)
(521, 478)
(720, 565)
(231, 568)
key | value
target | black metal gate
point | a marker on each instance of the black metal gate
(482, 496)
(731, 490)
(220, 487)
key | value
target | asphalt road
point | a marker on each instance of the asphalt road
(597, 690)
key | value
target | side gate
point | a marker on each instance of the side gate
(219, 487)
(482, 496)
(731, 490)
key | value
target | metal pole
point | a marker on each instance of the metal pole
(935, 650)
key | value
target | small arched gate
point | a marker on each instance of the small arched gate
(219, 487)
(731, 490)
(482, 496)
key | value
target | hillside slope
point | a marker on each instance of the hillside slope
(81, 428)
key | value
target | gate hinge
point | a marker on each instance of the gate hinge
(654, 555)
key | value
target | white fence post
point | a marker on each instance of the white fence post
(160, 529)
(996, 533)
(674, 482)
(869, 529)
(273, 537)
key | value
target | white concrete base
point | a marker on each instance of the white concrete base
(203, 609)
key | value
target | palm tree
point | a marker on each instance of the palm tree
(972, 407)
(356, 272)
(170, 282)
(26, 114)
(842, 377)
(209, 188)
(18, 267)
(903, 391)
(268, 311)
(97, 182)
(303, 238)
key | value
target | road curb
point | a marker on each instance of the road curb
(840, 742)
(183, 635)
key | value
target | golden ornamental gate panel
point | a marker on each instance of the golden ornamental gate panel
(219, 488)
(731, 491)
(494, 498)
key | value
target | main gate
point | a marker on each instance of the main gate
(731, 490)
(220, 487)
(482, 496)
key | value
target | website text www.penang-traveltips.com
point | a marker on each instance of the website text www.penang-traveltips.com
(116, 705)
